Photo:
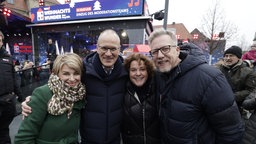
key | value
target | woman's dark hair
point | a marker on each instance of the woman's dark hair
(140, 57)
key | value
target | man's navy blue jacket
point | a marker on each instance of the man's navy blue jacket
(102, 116)
(197, 103)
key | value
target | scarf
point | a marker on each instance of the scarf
(64, 96)
(101, 72)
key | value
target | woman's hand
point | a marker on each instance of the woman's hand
(26, 110)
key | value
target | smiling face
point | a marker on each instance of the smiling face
(230, 59)
(71, 77)
(138, 73)
(108, 48)
(68, 67)
(165, 60)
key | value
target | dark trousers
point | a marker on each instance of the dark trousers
(7, 113)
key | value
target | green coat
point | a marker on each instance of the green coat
(40, 127)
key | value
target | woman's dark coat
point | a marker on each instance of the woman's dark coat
(140, 121)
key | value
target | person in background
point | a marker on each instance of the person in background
(45, 71)
(8, 88)
(18, 71)
(56, 105)
(28, 64)
(140, 121)
(17, 66)
(197, 105)
(251, 55)
(250, 128)
(51, 52)
(241, 78)
(249, 63)
(28, 72)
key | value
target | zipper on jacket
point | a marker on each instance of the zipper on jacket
(144, 125)
(160, 104)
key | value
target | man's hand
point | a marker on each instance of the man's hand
(26, 110)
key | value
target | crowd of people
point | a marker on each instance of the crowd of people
(175, 97)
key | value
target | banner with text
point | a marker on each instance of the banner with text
(87, 10)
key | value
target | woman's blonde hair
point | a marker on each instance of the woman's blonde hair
(72, 60)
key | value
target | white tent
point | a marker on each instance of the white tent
(7, 48)
(57, 48)
(62, 51)
(71, 49)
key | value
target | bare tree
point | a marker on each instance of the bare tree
(244, 44)
(217, 28)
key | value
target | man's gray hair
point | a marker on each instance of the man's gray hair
(158, 32)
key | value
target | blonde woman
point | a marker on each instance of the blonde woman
(56, 105)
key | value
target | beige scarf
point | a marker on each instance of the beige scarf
(64, 97)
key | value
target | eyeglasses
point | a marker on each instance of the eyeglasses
(164, 50)
(105, 49)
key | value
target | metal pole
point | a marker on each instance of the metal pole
(166, 13)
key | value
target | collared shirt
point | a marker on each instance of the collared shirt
(108, 70)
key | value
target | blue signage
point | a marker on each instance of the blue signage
(87, 10)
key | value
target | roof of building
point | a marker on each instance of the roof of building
(179, 29)
(200, 35)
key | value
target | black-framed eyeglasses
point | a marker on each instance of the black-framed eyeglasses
(164, 50)
(105, 49)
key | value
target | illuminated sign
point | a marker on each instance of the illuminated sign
(87, 10)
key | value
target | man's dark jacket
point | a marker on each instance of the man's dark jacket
(102, 116)
(8, 81)
(197, 104)
(241, 78)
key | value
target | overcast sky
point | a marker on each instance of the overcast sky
(190, 12)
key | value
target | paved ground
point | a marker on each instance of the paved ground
(15, 126)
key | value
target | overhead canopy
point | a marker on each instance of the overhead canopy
(15, 23)
(141, 48)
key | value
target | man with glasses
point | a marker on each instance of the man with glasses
(196, 102)
(105, 79)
